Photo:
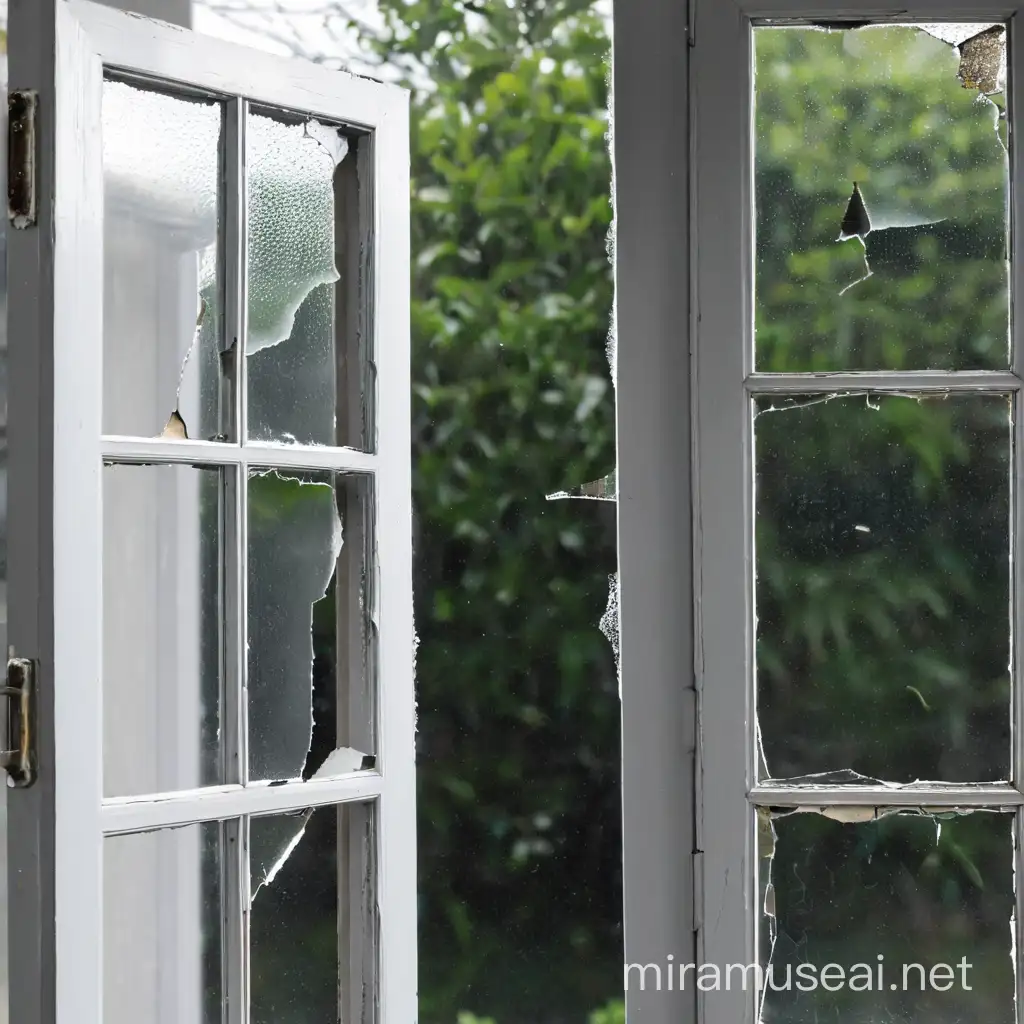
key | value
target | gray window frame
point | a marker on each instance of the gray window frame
(724, 382)
(651, 112)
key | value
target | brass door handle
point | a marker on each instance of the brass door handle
(18, 759)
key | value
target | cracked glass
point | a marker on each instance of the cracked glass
(162, 275)
(903, 918)
(303, 386)
(311, 625)
(162, 628)
(312, 916)
(881, 198)
(882, 586)
(162, 925)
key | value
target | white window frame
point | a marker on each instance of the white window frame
(56, 826)
(724, 383)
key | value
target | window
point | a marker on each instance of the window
(857, 516)
(214, 555)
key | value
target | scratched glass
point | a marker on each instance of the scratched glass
(881, 196)
(882, 587)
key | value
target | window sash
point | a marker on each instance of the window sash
(725, 381)
(56, 827)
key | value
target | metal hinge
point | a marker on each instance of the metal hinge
(22, 106)
(18, 756)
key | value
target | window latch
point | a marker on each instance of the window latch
(21, 157)
(17, 758)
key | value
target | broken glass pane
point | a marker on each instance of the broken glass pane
(300, 386)
(904, 918)
(162, 283)
(161, 632)
(882, 590)
(162, 926)
(915, 274)
(312, 916)
(311, 627)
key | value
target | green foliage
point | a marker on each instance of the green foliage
(613, 1013)
(517, 694)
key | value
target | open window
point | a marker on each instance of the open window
(209, 437)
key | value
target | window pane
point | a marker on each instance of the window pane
(886, 895)
(312, 917)
(305, 381)
(162, 926)
(161, 628)
(909, 269)
(162, 285)
(311, 632)
(883, 630)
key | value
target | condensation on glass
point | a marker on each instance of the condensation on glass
(312, 916)
(310, 624)
(304, 349)
(162, 685)
(162, 267)
(162, 937)
(881, 195)
(910, 912)
(882, 586)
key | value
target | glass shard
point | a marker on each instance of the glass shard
(271, 842)
(921, 283)
(909, 914)
(609, 622)
(162, 925)
(310, 624)
(313, 925)
(299, 387)
(161, 642)
(603, 489)
(162, 281)
(882, 587)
